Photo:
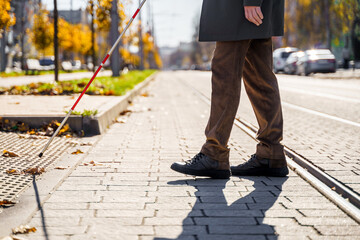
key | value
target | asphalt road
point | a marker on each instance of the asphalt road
(321, 120)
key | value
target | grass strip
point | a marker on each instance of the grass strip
(105, 86)
(23, 73)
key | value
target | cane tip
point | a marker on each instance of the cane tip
(40, 155)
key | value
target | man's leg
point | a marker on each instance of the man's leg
(213, 160)
(227, 65)
(263, 91)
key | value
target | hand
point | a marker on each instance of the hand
(254, 14)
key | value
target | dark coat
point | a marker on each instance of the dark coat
(224, 20)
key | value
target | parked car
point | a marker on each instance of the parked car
(280, 55)
(290, 64)
(33, 66)
(316, 61)
(76, 65)
(48, 63)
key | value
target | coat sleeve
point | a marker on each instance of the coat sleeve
(252, 2)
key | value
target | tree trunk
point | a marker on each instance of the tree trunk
(22, 58)
(56, 47)
(327, 24)
(355, 39)
(2, 51)
(114, 33)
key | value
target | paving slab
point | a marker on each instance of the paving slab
(169, 126)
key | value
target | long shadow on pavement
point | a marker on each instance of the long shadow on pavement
(243, 219)
(38, 201)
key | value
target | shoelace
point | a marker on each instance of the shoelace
(196, 158)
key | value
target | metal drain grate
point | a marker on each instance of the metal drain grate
(27, 149)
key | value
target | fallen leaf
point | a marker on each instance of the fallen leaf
(65, 128)
(60, 168)
(145, 94)
(86, 144)
(93, 163)
(333, 188)
(17, 103)
(6, 153)
(23, 229)
(125, 112)
(32, 132)
(34, 171)
(13, 171)
(6, 203)
(77, 152)
(121, 120)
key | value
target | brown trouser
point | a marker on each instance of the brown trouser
(252, 60)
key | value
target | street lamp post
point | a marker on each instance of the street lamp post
(56, 48)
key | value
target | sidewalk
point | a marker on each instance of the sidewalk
(131, 193)
(23, 80)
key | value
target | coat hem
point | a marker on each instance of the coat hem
(227, 38)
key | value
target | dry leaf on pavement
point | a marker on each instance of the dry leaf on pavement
(77, 152)
(61, 168)
(6, 153)
(13, 172)
(125, 112)
(6, 203)
(121, 120)
(23, 229)
(93, 163)
(86, 144)
(34, 171)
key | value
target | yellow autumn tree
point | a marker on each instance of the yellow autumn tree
(103, 17)
(84, 38)
(306, 20)
(42, 32)
(343, 14)
(103, 14)
(151, 54)
(6, 18)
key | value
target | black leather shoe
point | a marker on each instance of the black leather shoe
(201, 165)
(256, 167)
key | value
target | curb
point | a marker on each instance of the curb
(90, 125)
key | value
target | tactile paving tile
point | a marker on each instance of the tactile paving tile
(28, 150)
